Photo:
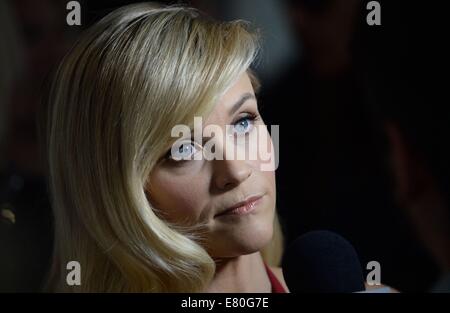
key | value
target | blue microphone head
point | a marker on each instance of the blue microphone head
(322, 261)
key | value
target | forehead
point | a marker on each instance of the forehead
(241, 86)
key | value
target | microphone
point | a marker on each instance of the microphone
(322, 262)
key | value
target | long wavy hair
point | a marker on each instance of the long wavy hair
(116, 95)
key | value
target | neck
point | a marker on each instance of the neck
(245, 273)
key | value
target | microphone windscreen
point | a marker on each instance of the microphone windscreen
(322, 261)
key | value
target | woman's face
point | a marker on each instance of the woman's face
(205, 191)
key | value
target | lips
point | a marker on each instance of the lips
(242, 207)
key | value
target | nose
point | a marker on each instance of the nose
(229, 173)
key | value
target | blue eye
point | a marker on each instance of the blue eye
(182, 151)
(244, 125)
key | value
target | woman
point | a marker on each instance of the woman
(138, 214)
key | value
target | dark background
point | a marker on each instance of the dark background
(325, 73)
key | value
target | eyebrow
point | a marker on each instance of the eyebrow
(246, 96)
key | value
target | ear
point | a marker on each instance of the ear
(399, 160)
(417, 193)
(411, 178)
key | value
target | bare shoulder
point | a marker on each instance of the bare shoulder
(278, 272)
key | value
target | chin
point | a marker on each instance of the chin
(243, 240)
(249, 246)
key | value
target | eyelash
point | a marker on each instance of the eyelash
(249, 116)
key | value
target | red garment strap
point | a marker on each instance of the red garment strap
(277, 287)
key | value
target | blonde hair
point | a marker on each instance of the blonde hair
(132, 76)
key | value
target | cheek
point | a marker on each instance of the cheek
(262, 146)
(270, 177)
(265, 164)
(178, 198)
